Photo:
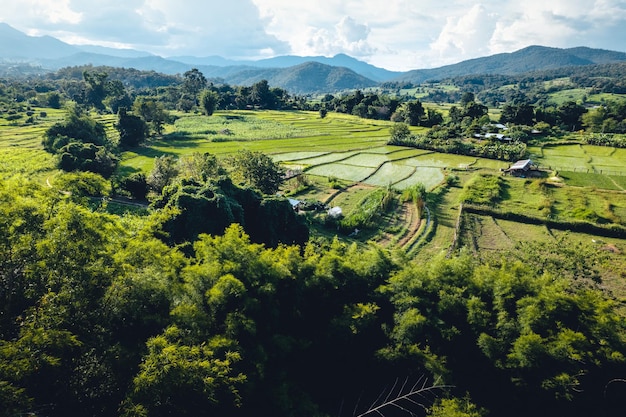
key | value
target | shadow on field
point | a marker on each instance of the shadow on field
(151, 152)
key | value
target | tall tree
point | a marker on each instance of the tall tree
(96, 88)
(208, 101)
(570, 114)
(194, 82)
(133, 129)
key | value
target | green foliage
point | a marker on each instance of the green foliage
(133, 129)
(212, 206)
(455, 407)
(77, 127)
(257, 170)
(82, 184)
(536, 329)
(484, 189)
(181, 378)
(136, 185)
(208, 101)
(163, 173)
(365, 214)
(77, 156)
(446, 140)
(81, 144)
(200, 167)
(399, 132)
(233, 327)
(193, 82)
(152, 112)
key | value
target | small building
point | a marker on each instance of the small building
(520, 167)
(295, 204)
(335, 212)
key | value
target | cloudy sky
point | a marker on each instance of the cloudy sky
(394, 34)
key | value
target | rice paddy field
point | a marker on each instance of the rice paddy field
(20, 145)
(582, 158)
(345, 158)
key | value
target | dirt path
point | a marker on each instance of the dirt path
(616, 184)
(407, 214)
(413, 223)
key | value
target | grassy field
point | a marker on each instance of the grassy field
(353, 154)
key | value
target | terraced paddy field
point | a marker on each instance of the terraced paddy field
(581, 158)
(353, 154)
(20, 145)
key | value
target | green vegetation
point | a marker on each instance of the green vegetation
(185, 283)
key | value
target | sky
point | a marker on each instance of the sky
(397, 35)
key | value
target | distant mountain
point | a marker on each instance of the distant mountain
(16, 45)
(340, 60)
(309, 77)
(532, 58)
(123, 53)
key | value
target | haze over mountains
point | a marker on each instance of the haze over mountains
(295, 73)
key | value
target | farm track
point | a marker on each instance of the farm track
(348, 189)
(616, 184)
(414, 222)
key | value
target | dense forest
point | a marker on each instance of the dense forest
(216, 300)
(107, 315)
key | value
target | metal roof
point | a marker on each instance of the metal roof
(523, 164)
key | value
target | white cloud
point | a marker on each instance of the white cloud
(396, 34)
(465, 36)
(347, 36)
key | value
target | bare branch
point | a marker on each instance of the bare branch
(404, 399)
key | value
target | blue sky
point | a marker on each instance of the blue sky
(394, 34)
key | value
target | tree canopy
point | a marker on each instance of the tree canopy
(104, 315)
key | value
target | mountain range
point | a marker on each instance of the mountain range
(294, 73)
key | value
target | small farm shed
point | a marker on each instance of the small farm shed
(335, 212)
(520, 167)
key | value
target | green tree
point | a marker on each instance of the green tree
(570, 114)
(208, 101)
(77, 127)
(466, 98)
(116, 96)
(54, 99)
(519, 114)
(152, 112)
(200, 167)
(133, 129)
(262, 96)
(163, 173)
(433, 117)
(257, 170)
(184, 378)
(193, 82)
(475, 110)
(399, 132)
(413, 112)
(95, 92)
(81, 144)
(136, 184)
